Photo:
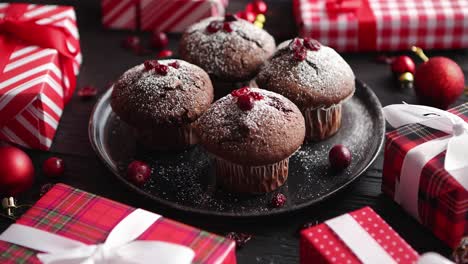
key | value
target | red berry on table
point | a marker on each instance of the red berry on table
(339, 157)
(227, 27)
(150, 64)
(162, 69)
(214, 26)
(402, 64)
(300, 54)
(131, 42)
(87, 92)
(174, 64)
(16, 171)
(138, 172)
(245, 102)
(259, 7)
(240, 238)
(159, 40)
(311, 44)
(439, 82)
(53, 167)
(278, 200)
(165, 53)
(240, 91)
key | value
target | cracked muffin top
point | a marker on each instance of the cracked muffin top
(228, 48)
(252, 126)
(308, 73)
(162, 93)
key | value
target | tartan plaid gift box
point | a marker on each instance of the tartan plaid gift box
(39, 60)
(354, 238)
(384, 25)
(442, 202)
(158, 15)
(88, 218)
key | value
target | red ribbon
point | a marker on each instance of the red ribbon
(14, 26)
(367, 34)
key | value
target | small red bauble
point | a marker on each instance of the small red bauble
(402, 64)
(247, 15)
(131, 42)
(439, 82)
(259, 7)
(87, 92)
(159, 40)
(138, 172)
(53, 167)
(339, 157)
(245, 102)
(165, 53)
(278, 200)
(16, 171)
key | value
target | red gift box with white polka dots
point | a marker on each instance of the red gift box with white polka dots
(321, 244)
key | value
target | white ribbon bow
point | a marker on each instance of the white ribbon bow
(120, 246)
(456, 145)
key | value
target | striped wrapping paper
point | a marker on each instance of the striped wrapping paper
(442, 201)
(384, 25)
(158, 15)
(36, 82)
(88, 218)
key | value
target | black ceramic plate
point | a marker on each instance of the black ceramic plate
(185, 180)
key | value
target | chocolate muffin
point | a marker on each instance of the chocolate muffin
(161, 100)
(251, 134)
(230, 49)
(316, 78)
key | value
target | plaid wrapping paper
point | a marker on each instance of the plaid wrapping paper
(158, 15)
(89, 218)
(398, 24)
(36, 81)
(443, 202)
(320, 245)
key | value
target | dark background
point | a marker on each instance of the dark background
(275, 238)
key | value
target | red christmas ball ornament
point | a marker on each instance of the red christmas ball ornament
(138, 172)
(165, 54)
(159, 40)
(259, 7)
(53, 167)
(439, 81)
(16, 171)
(247, 15)
(402, 64)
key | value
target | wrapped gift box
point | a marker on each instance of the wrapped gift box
(357, 237)
(88, 218)
(158, 15)
(39, 60)
(384, 25)
(440, 202)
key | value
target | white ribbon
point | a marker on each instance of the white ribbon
(120, 246)
(456, 145)
(363, 245)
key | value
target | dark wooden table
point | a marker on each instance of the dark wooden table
(275, 238)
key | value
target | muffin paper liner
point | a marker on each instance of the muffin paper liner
(322, 122)
(251, 179)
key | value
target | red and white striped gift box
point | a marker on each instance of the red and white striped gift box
(384, 25)
(160, 15)
(36, 80)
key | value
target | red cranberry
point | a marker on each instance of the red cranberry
(227, 27)
(165, 53)
(259, 7)
(53, 167)
(162, 69)
(300, 54)
(159, 40)
(150, 64)
(311, 44)
(339, 157)
(240, 91)
(230, 18)
(130, 42)
(174, 64)
(240, 238)
(87, 92)
(214, 26)
(245, 102)
(296, 44)
(402, 64)
(278, 200)
(138, 172)
(256, 96)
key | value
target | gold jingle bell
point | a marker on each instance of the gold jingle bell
(406, 80)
